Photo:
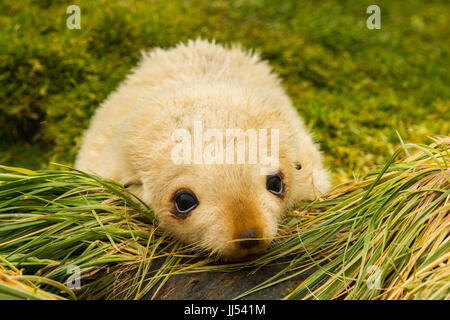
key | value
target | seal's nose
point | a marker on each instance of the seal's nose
(247, 244)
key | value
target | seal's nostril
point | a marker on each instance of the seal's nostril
(249, 234)
(247, 244)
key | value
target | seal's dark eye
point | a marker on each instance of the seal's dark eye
(274, 184)
(185, 202)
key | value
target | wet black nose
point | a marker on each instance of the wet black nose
(247, 244)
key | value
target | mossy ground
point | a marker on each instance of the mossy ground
(353, 86)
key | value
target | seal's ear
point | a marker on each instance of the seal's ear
(310, 179)
(134, 185)
(133, 182)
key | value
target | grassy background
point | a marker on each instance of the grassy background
(353, 86)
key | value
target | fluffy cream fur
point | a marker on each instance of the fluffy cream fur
(130, 140)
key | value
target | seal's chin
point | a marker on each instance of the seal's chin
(237, 253)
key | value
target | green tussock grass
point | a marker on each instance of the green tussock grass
(395, 218)
(353, 86)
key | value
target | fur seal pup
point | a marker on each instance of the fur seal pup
(186, 132)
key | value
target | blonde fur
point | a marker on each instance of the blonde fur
(130, 140)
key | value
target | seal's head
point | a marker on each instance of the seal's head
(175, 156)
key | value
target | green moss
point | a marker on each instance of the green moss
(353, 86)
